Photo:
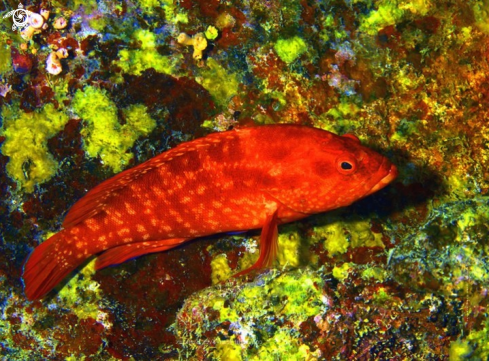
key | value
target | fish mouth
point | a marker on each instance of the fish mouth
(389, 177)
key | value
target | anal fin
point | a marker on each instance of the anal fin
(268, 244)
(125, 252)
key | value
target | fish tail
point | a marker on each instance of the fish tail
(48, 264)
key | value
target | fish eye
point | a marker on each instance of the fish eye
(346, 164)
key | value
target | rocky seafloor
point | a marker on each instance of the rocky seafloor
(91, 88)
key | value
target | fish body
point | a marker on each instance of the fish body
(248, 178)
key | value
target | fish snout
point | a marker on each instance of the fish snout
(392, 174)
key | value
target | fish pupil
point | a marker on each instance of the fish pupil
(346, 166)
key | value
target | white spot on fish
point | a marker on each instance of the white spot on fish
(123, 231)
(129, 208)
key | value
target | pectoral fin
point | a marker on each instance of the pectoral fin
(123, 253)
(268, 244)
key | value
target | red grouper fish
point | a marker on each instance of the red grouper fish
(247, 178)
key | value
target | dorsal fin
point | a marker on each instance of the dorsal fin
(94, 201)
(352, 136)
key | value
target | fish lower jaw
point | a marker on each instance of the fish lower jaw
(393, 172)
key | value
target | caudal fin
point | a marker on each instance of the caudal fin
(47, 265)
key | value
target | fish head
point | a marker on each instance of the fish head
(348, 171)
(326, 171)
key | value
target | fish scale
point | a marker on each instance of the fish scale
(248, 178)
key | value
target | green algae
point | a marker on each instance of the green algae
(220, 83)
(283, 343)
(103, 134)
(342, 118)
(450, 245)
(211, 32)
(481, 14)
(30, 162)
(382, 296)
(291, 246)
(88, 6)
(290, 49)
(376, 273)
(82, 293)
(341, 273)
(220, 269)
(173, 14)
(336, 241)
(299, 290)
(298, 287)
(227, 350)
(294, 296)
(332, 29)
(99, 24)
(460, 350)
(388, 13)
(135, 61)
(481, 339)
(448, 239)
(405, 129)
(340, 236)
(5, 57)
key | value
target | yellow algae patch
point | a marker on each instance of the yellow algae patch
(221, 85)
(290, 49)
(417, 7)
(293, 250)
(26, 136)
(225, 20)
(289, 249)
(460, 350)
(104, 136)
(5, 57)
(228, 350)
(336, 240)
(220, 269)
(339, 236)
(341, 273)
(382, 296)
(138, 122)
(138, 60)
(211, 32)
(481, 14)
(376, 273)
(81, 294)
(362, 235)
(388, 13)
(283, 343)
(173, 14)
